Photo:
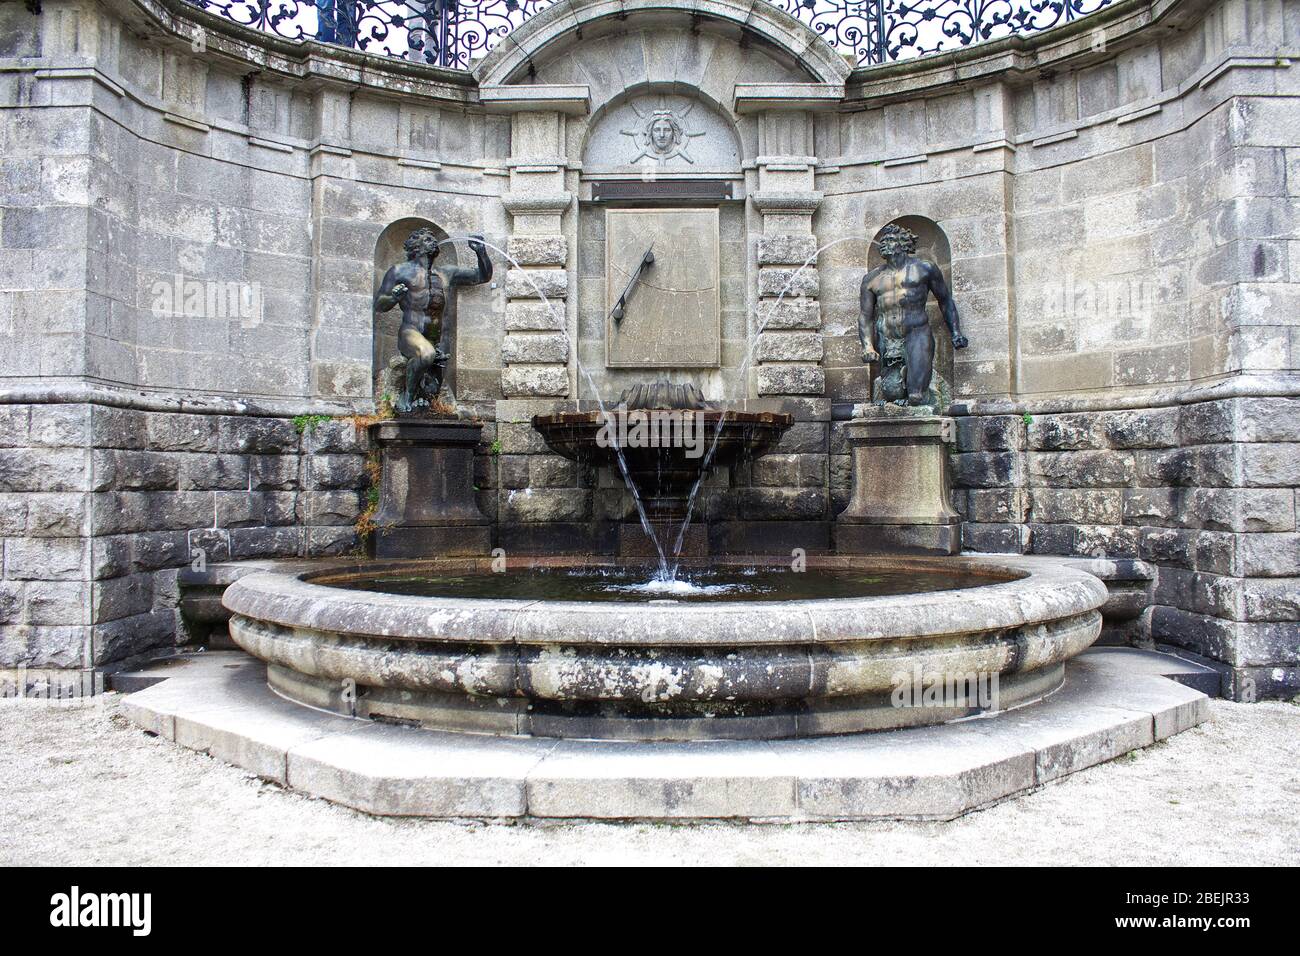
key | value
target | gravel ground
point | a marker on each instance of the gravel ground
(82, 786)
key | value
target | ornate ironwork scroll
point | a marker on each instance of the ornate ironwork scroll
(454, 33)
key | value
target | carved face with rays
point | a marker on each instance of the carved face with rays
(662, 134)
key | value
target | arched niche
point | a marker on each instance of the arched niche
(388, 253)
(931, 243)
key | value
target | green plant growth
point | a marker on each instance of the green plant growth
(1027, 418)
(306, 424)
(496, 447)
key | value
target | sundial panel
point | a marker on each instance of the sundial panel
(671, 317)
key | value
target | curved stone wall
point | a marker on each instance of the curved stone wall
(1118, 197)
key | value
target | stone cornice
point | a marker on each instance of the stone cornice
(1245, 385)
(91, 393)
(757, 97)
(570, 99)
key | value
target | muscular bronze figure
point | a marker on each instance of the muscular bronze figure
(893, 326)
(423, 291)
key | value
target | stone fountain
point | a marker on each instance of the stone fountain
(670, 439)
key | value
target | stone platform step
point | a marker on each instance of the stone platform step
(1114, 700)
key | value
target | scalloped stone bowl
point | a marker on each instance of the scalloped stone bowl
(613, 669)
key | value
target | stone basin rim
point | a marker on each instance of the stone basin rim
(1048, 591)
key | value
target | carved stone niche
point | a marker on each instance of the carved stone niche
(662, 134)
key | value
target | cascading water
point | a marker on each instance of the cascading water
(669, 562)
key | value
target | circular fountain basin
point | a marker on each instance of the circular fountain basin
(849, 645)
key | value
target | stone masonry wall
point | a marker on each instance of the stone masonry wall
(100, 505)
(1205, 491)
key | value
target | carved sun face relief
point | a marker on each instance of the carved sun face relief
(662, 133)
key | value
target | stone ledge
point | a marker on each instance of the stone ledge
(1114, 701)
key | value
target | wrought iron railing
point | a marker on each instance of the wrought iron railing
(454, 33)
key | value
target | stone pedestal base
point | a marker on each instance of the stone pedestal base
(426, 503)
(901, 485)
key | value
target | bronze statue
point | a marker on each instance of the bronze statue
(423, 292)
(893, 326)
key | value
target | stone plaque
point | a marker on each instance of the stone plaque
(670, 308)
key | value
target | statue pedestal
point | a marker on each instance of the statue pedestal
(901, 484)
(426, 498)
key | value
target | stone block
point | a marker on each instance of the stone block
(546, 504)
(13, 425)
(1097, 541)
(514, 471)
(551, 471)
(547, 284)
(166, 431)
(1271, 465)
(46, 559)
(791, 504)
(57, 602)
(56, 515)
(59, 426)
(122, 597)
(265, 543)
(11, 601)
(528, 316)
(994, 505)
(133, 635)
(335, 437)
(787, 283)
(992, 538)
(330, 507)
(1149, 428)
(13, 514)
(789, 347)
(521, 438)
(791, 380)
(1082, 469)
(1267, 419)
(1268, 555)
(1272, 600)
(523, 381)
(804, 438)
(273, 472)
(30, 646)
(206, 472)
(241, 509)
(336, 471)
(1067, 432)
(118, 428)
(43, 469)
(258, 436)
(124, 470)
(984, 469)
(538, 250)
(535, 348)
(789, 313)
(1215, 509)
(789, 250)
